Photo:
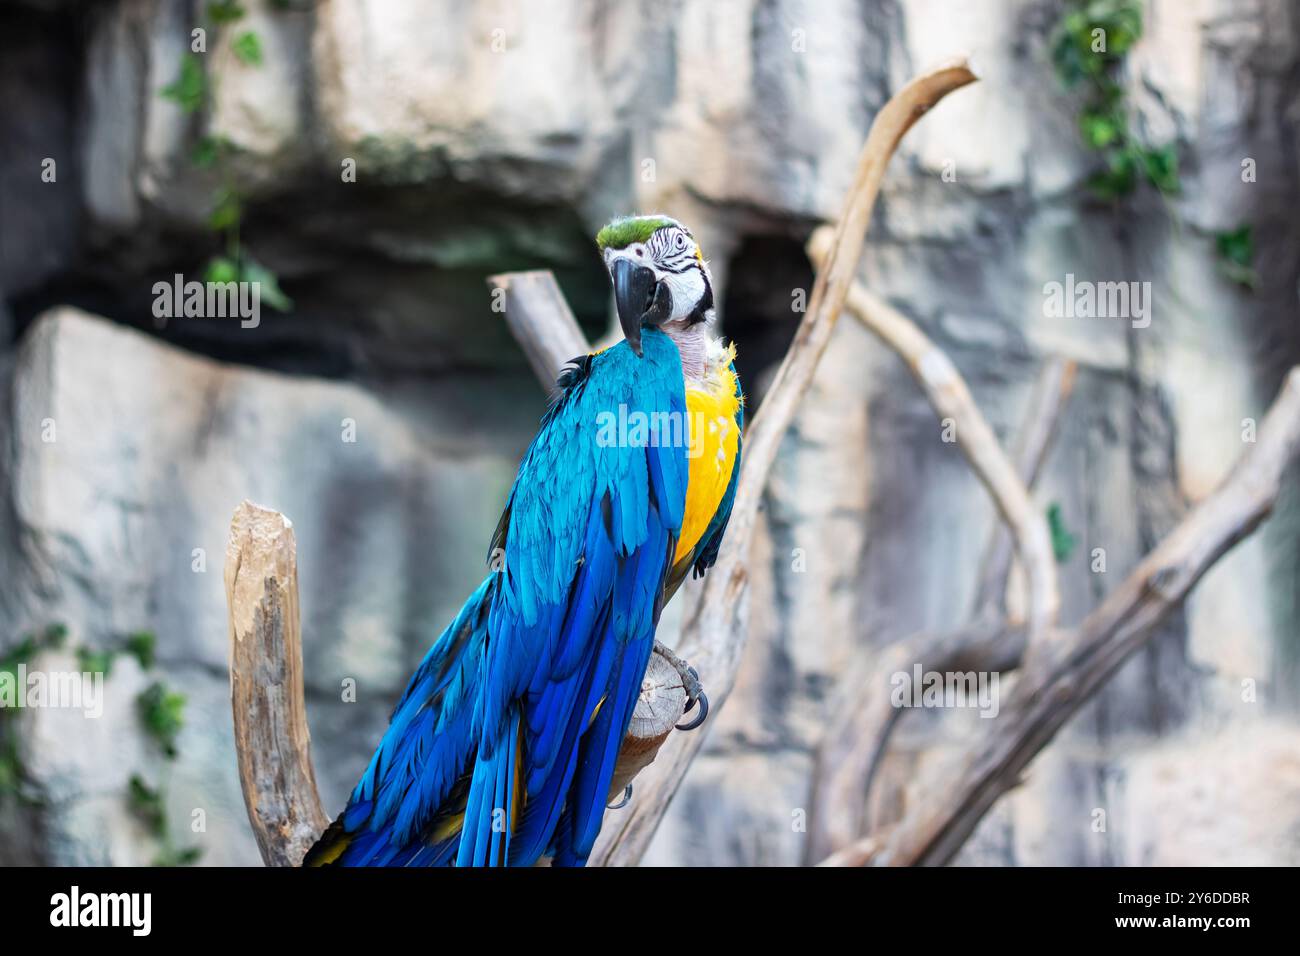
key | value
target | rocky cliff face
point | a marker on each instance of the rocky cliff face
(486, 137)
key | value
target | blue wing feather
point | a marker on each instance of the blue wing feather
(516, 714)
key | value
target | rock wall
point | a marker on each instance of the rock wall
(492, 136)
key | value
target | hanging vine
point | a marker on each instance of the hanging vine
(194, 91)
(1089, 47)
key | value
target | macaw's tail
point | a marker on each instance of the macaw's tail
(330, 845)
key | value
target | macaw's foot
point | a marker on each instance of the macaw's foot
(627, 796)
(694, 695)
(691, 682)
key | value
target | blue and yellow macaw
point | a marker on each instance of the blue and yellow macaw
(502, 749)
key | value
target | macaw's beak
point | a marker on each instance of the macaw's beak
(639, 299)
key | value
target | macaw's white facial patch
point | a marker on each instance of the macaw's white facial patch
(688, 290)
(674, 257)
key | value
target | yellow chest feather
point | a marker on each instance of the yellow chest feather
(711, 410)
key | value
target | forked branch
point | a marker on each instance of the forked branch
(948, 393)
(1055, 683)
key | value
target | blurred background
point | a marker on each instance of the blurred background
(371, 163)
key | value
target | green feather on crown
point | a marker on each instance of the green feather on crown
(621, 233)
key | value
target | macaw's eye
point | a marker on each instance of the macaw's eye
(681, 241)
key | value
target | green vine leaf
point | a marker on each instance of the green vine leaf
(26, 649)
(269, 285)
(1063, 541)
(183, 856)
(163, 714)
(11, 768)
(142, 645)
(146, 805)
(1099, 129)
(1237, 245)
(226, 212)
(1161, 167)
(222, 12)
(190, 89)
(20, 653)
(221, 269)
(248, 48)
(208, 151)
(95, 661)
(1236, 251)
(1118, 179)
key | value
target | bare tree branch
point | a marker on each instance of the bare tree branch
(541, 322)
(1061, 677)
(266, 690)
(715, 629)
(858, 853)
(948, 393)
(863, 719)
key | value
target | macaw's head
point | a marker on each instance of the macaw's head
(658, 272)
